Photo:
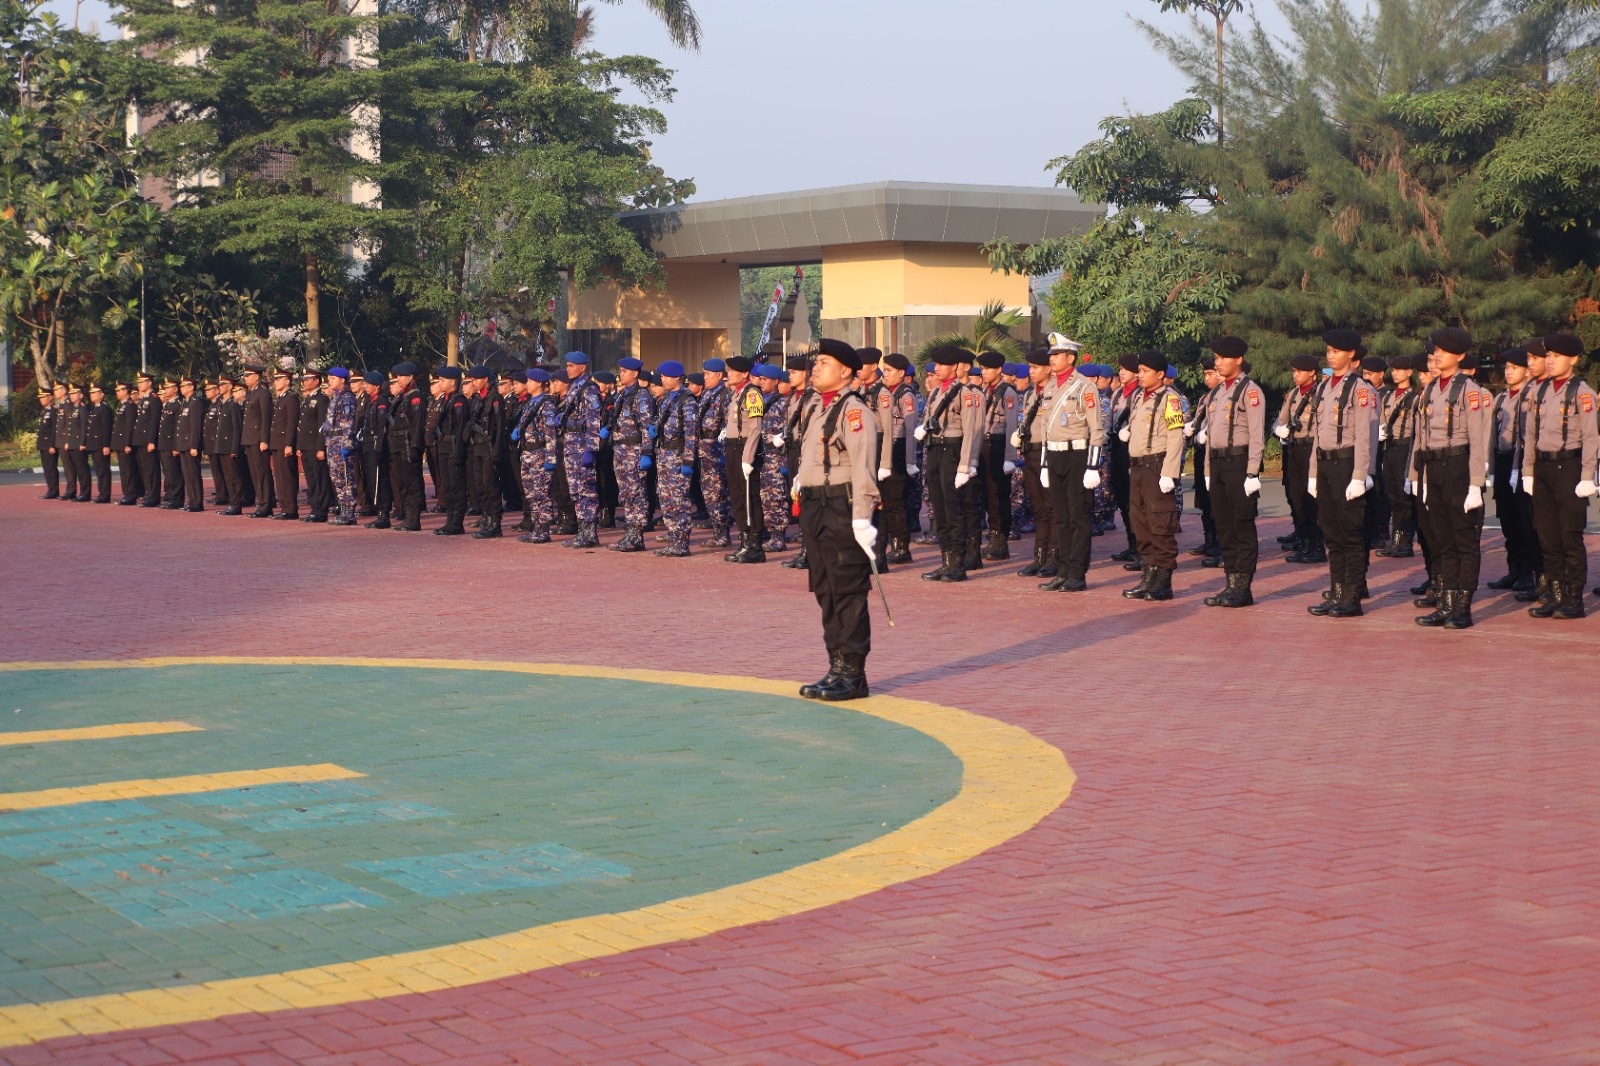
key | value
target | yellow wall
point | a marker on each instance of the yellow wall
(881, 280)
(691, 347)
(697, 296)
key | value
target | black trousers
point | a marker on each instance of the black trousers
(1296, 474)
(892, 491)
(1235, 514)
(481, 469)
(229, 473)
(319, 483)
(1202, 492)
(1509, 505)
(128, 469)
(1152, 515)
(996, 486)
(1559, 515)
(1453, 534)
(405, 475)
(52, 472)
(149, 473)
(954, 510)
(102, 473)
(1122, 480)
(508, 473)
(432, 456)
(605, 475)
(219, 484)
(247, 485)
(743, 494)
(260, 464)
(194, 484)
(172, 476)
(1343, 521)
(1379, 502)
(1044, 529)
(379, 493)
(78, 472)
(840, 574)
(1071, 508)
(1396, 470)
(452, 487)
(286, 482)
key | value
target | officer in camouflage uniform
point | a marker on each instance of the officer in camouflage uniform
(677, 443)
(631, 433)
(580, 440)
(713, 406)
(1022, 518)
(339, 444)
(534, 437)
(774, 472)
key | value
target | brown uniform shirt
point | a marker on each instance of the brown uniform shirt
(1346, 415)
(1001, 415)
(1155, 427)
(1441, 424)
(839, 446)
(746, 408)
(1562, 418)
(1070, 411)
(955, 416)
(1235, 416)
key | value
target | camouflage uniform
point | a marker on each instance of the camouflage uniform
(1183, 457)
(713, 415)
(774, 473)
(1021, 509)
(677, 442)
(633, 450)
(579, 425)
(339, 442)
(535, 436)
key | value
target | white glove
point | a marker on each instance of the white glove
(883, 473)
(961, 478)
(1208, 481)
(1044, 476)
(920, 432)
(1369, 481)
(1383, 433)
(1474, 499)
(1200, 438)
(1124, 434)
(913, 470)
(1281, 432)
(866, 535)
(1091, 479)
(777, 440)
(1252, 486)
(1355, 490)
(1167, 484)
(1585, 489)
(1188, 429)
(1527, 485)
(1009, 467)
(1411, 490)
(1016, 439)
(972, 471)
(1515, 477)
(722, 436)
(748, 468)
(1311, 488)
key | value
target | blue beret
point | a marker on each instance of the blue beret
(450, 373)
(1172, 371)
(479, 371)
(716, 366)
(578, 357)
(400, 370)
(768, 371)
(338, 372)
(670, 369)
(372, 377)
(628, 362)
(975, 372)
(539, 375)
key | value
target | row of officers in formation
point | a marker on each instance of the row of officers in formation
(1378, 455)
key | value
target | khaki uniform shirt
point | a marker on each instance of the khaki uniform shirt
(1070, 411)
(1155, 427)
(746, 408)
(1400, 414)
(1296, 414)
(1346, 415)
(1001, 414)
(1469, 423)
(1562, 419)
(839, 446)
(954, 415)
(897, 419)
(1235, 416)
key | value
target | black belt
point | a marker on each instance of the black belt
(1293, 442)
(949, 442)
(1033, 447)
(1429, 455)
(1327, 454)
(1228, 453)
(1561, 456)
(823, 492)
(1149, 460)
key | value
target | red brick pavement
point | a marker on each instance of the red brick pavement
(1292, 839)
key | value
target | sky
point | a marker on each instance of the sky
(839, 92)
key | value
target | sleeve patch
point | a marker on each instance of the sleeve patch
(1088, 400)
(853, 418)
(883, 401)
(1587, 401)
(1475, 400)
(416, 401)
(1362, 397)
(1011, 402)
(753, 405)
(909, 405)
(1255, 398)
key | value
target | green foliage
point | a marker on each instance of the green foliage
(756, 285)
(190, 319)
(991, 332)
(1154, 160)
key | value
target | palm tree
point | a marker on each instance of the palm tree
(991, 332)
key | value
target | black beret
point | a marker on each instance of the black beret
(1400, 362)
(950, 355)
(869, 355)
(991, 360)
(1039, 357)
(1305, 362)
(1514, 357)
(1230, 347)
(1375, 364)
(696, 378)
(1536, 347)
(742, 363)
(898, 361)
(1150, 359)
(401, 370)
(603, 377)
(1469, 362)
(372, 377)
(797, 362)
(1344, 340)
(449, 373)
(479, 371)
(1130, 362)
(518, 375)
(1563, 344)
(840, 351)
(1208, 362)
(1451, 339)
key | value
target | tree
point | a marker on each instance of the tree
(1219, 10)
(756, 285)
(991, 332)
(72, 224)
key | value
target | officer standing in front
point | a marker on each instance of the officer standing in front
(1344, 432)
(1235, 437)
(1154, 436)
(677, 422)
(285, 427)
(122, 444)
(837, 497)
(49, 458)
(98, 441)
(1561, 447)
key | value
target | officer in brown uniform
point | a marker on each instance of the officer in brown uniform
(1343, 457)
(897, 451)
(1396, 431)
(1072, 433)
(997, 457)
(952, 429)
(1234, 435)
(837, 495)
(1450, 462)
(742, 452)
(1561, 448)
(284, 427)
(1154, 436)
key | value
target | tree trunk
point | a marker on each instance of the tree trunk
(38, 347)
(1220, 22)
(313, 310)
(452, 329)
(63, 364)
